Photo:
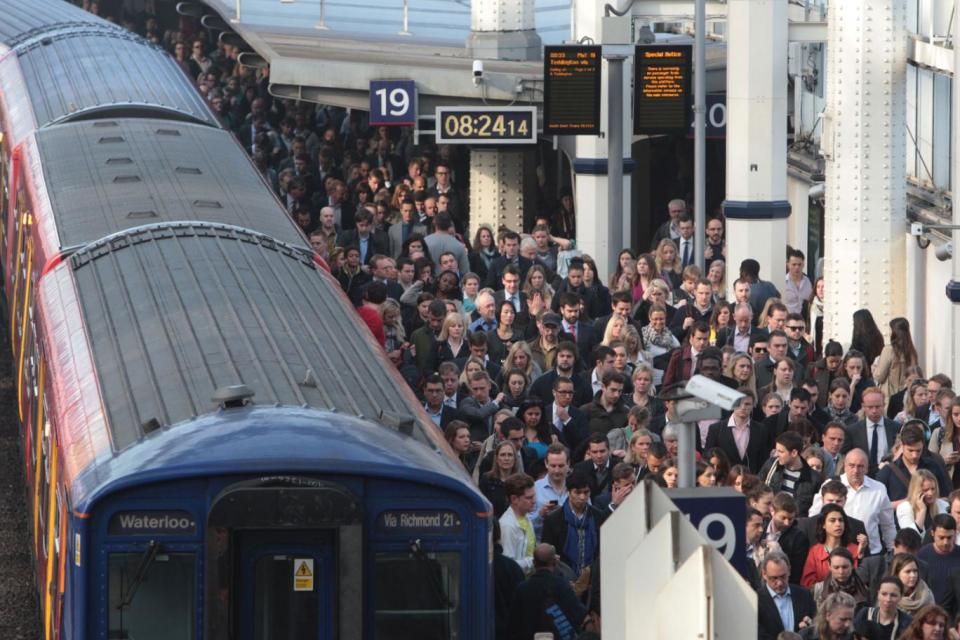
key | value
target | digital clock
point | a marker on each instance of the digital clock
(486, 125)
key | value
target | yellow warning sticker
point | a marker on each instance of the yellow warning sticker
(303, 574)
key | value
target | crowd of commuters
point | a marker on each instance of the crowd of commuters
(546, 380)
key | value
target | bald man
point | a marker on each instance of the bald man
(866, 500)
(529, 613)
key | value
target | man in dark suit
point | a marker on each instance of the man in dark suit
(729, 436)
(542, 589)
(511, 255)
(683, 360)
(784, 531)
(510, 289)
(383, 269)
(781, 606)
(584, 335)
(875, 434)
(398, 233)
(440, 413)
(566, 421)
(370, 242)
(743, 330)
(599, 464)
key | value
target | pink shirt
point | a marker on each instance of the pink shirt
(741, 436)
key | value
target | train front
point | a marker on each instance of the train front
(239, 459)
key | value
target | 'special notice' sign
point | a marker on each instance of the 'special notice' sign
(662, 89)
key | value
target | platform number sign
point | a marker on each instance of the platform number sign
(720, 515)
(393, 102)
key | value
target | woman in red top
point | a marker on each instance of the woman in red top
(833, 531)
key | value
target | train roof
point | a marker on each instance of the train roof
(273, 440)
(97, 72)
(173, 312)
(104, 176)
(23, 21)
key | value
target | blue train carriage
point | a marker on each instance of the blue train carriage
(227, 454)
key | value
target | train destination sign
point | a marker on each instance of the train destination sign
(571, 95)
(132, 523)
(419, 521)
(662, 89)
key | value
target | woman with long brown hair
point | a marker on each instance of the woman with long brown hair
(930, 623)
(895, 358)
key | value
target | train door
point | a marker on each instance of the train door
(288, 582)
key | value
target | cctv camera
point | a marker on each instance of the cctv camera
(713, 392)
(944, 252)
(477, 71)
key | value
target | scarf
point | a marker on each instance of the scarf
(853, 587)
(842, 416)
(580, 548)
(665, 339)
(921, 597)
(488, 256)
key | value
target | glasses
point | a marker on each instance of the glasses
(563, 393)
(796, 327)
(759, 349)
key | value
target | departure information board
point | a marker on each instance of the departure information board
(571, 102)
(662, 89)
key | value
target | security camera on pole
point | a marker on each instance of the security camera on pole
(700, 399)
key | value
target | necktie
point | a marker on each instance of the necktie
(874, 445)
(686, 253)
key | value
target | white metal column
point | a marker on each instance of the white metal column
(756, 206)
(863, 140)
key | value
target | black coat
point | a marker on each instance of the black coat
(769, 624)
(575, 432)
(598, 486)
(532, 597)
(805, 489)
(795, 544)
(758, 451)
(378, 244)
(507, 576)
(856, 438)
(555, 528)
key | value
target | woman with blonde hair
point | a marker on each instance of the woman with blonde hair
(740, 368)
(506, 462)
(614, 330)
(520, 357)
(537, 280)
(393, 329)
(668, 266)
(922, 503)
(452, 342)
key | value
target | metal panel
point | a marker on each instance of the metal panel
(24, 20)
(174, 312)
(105, 176)
(75, 75)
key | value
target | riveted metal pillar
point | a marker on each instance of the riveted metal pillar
(500, 30)
(756, 206)
(864, 140)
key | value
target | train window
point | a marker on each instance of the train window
(152, 595)
(428, 607)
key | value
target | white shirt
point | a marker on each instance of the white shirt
(514, 540)
(595, 382)
(557, 422)
(906, 519)
(870, 504)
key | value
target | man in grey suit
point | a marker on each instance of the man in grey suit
(408, 225)
(443, 241)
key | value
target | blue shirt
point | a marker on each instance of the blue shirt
(545, 493)
(364, 244)
(784, 606)
(481, 324)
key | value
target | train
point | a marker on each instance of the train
(214, 446)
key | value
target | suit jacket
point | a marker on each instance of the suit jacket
(575, 431)
(587, 338)
(501, 295)
(598, 486)
(856, 438)
(758, 451)
(378, 242)
(495, 274)
(542, 387)
(395, 236)
(768, 617)
(795, 544)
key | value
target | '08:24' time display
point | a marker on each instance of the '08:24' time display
(476, 125)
